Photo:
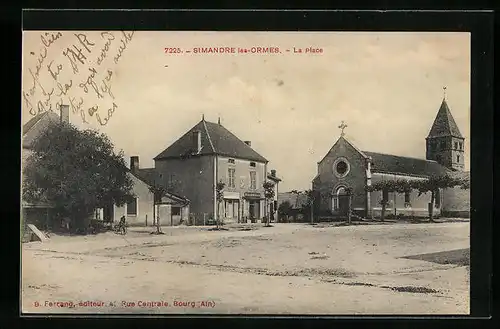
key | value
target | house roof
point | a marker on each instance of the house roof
(150, 176)
(393, 164)
(444, 124)
(36, 126)
(215, 139)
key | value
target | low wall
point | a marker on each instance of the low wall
(456, 214)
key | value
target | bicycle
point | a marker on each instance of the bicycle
(121, 227)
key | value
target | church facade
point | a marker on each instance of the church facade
(346, 169)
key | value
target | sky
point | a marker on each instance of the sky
(144, 94)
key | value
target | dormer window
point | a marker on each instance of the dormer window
(252, 164)
(456, 145)
(230, 161)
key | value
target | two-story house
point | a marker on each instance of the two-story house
(206, 154)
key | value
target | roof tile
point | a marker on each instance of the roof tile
(388, 163)
(444, 124)
(215, 139)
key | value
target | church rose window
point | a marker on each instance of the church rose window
(341, 167)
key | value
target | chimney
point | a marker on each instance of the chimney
(249, 143)
(64, 113)
(134, 163)
(196, 141)
(273, 173)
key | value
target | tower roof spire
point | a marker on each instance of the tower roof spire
(444, 124)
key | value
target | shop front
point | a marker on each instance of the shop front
(231, 207)
(254, 207)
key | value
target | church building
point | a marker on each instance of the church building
(346, 168)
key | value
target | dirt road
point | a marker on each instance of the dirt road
(286, 269)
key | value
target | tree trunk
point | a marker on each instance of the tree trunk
(158, 227)
(154, 214)
(217, 215)
(382, 215)
(268, 213)
(431, 208)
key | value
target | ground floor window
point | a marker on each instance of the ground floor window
(231, 208)
(132, 207)
(407, 197)
(335, 203)
(176, 211)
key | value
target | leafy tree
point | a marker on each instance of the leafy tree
(269, 195)
(220, 198)
(348, 191)
(434, 183)
(388, 186)
(285, 209)
(310, 203)
(308, 207)
(431, 184)
(76, 171)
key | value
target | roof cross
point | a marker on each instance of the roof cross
(342, 127)
(444, 92)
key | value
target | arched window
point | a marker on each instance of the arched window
(340, 191)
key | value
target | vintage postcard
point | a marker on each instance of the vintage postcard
(245, 173)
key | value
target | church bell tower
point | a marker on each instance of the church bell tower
(445, 143)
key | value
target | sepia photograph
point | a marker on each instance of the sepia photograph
(245, 173)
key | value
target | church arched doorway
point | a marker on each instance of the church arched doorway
(341, 200)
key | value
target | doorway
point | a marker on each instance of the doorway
(341, 201)
(254, 209)
(343, 204)
(108, 213)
